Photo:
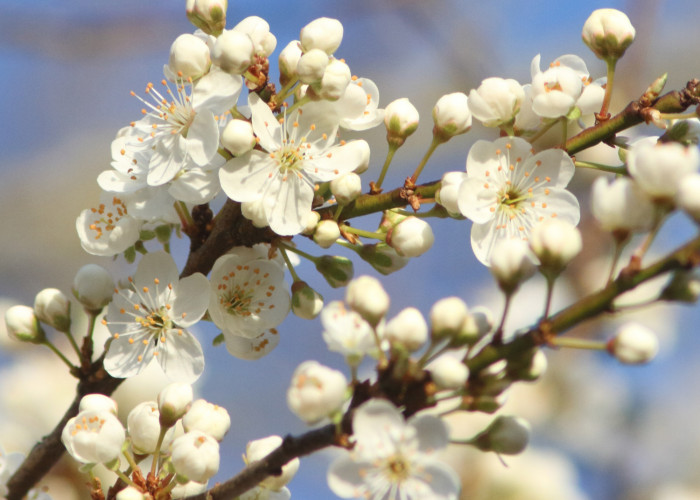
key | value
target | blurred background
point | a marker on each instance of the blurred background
(601, 431)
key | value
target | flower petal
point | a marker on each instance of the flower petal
(252, 348)
(181, 356)
(128, 354)
(191, 299)
(245, 178)
(202, 139)
(265, 125)
(293, 198)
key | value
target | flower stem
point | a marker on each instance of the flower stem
(294, 274)
(498, 335)
(389, 156)
(286, 90)
(298, 104)
(619, 169)
(58, 353)
(183, 214)
(550, 289)
(281, 244)
(578, 343)
(362, 232)
(433, 146)
(542, 131)
(610, 62)
(156, 455)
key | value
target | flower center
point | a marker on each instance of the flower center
(237, 300)
(106, 219)
(174, 115)
(397, 468)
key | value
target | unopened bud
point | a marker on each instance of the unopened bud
(238, 137)
(448, 194)
(93, 286)
(207, 417)
(346, 188)
(316, 391)
(173, 402)
(307, 303)
(401, 120)
(323, 34)
(407, 329)
(326, 233)
(189, 57)
(208, 15)
(447, 317)
(130, 493)
(448, 371)
(288, 61)
(634, 344)
(555, 242)
(506, 435)
(366, 296)
(451, 116)
(259, 449)
(233, 52)
(337, 270)
(258, 30)
(382, 257)
(412, 237)
(23, 325)
(511, 264)
(53, 308)
(335, 80)
(608, 33)
(312, 66)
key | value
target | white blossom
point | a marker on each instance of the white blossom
(316, 391)
(259, 449)
(509, 188)
(400, 119)
(93, 437)
(107, 229)
(238, 137)
(258, 30)
(326, 233)
(511, 264)
(23, 325)
(207, 417)
(634, 344)
(233, 51)
(448, 371)
(496, 101)
(451, 115)
(143, 424)
(555, 243)
(407, 329)
(189, 57)
(366, 296)
(53, 308)
(620, 206)
(448, 194)
(150, 320)
(411, 237)
(97, 402)
(195, 455)
(393, 458)
(347, 333)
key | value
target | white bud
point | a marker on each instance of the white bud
(401, 120)
(259, 449)
(208, 15)
(688, 196)
(207, 417)
(53, 308)
(312, 66)
(233, 52)
(448, 194)
(254, 211)
(496, 101)
(93, 287)
(451, 115)
(143, 423)
(447, 317)
(130, 493)
(189, 57)
(98, 402)
(411, 237)
(289, 59)
(346, 188)
(366, 296)
(323, 33)
(173, 402)
(634, 344)
(335, 80)
(312, 220)
(511, 264)
(382, 257)
(195, 456)
(258, 30)
(316, 391)
(479, 322)
(506, 435)
(307, 303)
(238, 137)
(363, 146)
(608, 33)
(621, 206)
(448, 371)
(555, 242)
(23, 325)
(326, 233)
(94, 437)
(407, 329)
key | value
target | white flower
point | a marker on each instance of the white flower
(620, 206)
(182, 130)
(347, 333)
(286, 173)
(233, 51)
(97, 402)
(207, 417)
(93, 437)
(312, 66)
(130, 493)
(107, 229)
(150, 320)
(23, 325)
(326, 233)
(496, 101)
(509, 189)
(346, 188)
(248, 296)
(407, 329)
(400, 119)
(53, 308)
(238, 137)
(195, 455)
(511, 264)
(393, 458)
(367, 297)
(608, 33)
(688, 196)
(448, 316)
(451, 115)
(316, 391)
(258, 30)
(259, 449)
(659, 168)
(336, 78)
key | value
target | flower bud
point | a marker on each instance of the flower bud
(207, 417)
(448, 371)
(337, 270)
(173, 402)
(53, 308)
(326, 233)
(312, 66)
(312, 220)
(496, 101)
(506, 435)
(382, 257)
(407, 329)
(238, 137)
(335, 80)
(93, 287)
(555, 243)
(23, 325)
(401, 120)
(485, 403)
(411, 237)
(530, 368)
(688, 196)
(233, 52)
(258, 30)
(195, 456)
(363, 165)
(683, 287)
(634, 344)
(208, 15)
(366, 296)
(621, 207)
(447, 317)
(97, 402)
(323, 34)
(189, 57)
(316, 391)
(346, 188)
(478, 323)
(259, 449)
(143, 423)
(130, 493)
(307, 303)
(608, 33)
(254, 211)
(451, 116)
(288, 61)
(448, 194)
(511, 264)
(94, 437)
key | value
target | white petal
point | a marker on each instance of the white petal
(336, 161)
(246, 177)
(167, 160)
(370, 425)
(265, 125)
(252, 348)
(554, 164)
(125, 359)
(483, 237)
(156, 266)
(346, 477)
(293, 198)
(181, 356)
(431, 432)
(217, 91)
(116, 182)
(475, 200)
(196, 186)
(191, 299)
(202, 139)
(440, 480)
(561, 204)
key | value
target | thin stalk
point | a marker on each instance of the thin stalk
(550, 291)
(126, 479)
(498, 336)
(183, 214)
(58, 353)
(362, 232)
(156, 455)
(73, 343)
(389, 156)
(281, 244)
(578, 343)
(608, 87)
(298, 104)
(542, 131)
(294, 274)
(613, 169)
(433, 146)
(286, 90)
(617, 253)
